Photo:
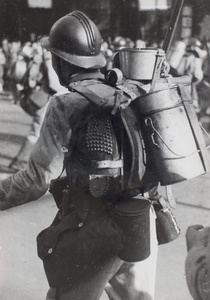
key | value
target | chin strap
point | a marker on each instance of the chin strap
(57, 292)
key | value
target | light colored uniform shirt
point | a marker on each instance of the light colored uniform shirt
(63, 115)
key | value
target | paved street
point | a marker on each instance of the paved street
(21, 273)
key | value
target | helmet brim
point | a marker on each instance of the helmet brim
(87, 62)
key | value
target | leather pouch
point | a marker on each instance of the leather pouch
(56, 187)
(73, 250)
(166, 224)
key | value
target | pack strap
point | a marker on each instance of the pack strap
(88, 94)
(131, 94)
(110, 103)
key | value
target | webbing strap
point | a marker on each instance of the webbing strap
(112, 103)
(170, 196)
(160, 56)
(131, 94)
(88, 94)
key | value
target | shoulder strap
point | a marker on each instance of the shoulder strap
(112, 103)
(88, 94)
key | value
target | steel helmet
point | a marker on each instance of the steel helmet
(76, 39)
(194, 45)
(194, 42)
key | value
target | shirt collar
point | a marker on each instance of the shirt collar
(87, 75)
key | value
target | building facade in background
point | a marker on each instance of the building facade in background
(136, 19)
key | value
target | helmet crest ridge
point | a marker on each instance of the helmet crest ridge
(88, 29)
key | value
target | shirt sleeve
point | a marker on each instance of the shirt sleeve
(46, 159)
(198, 72)
(197, 268)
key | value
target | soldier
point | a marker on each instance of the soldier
(197, 265)
(80, 250)
(35, 82)
(191, 65)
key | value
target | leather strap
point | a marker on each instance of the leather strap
(106, 164)
(170, 196)
(88, 94)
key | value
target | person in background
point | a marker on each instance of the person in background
(33, 70)
(108, 53)
(11, 57)
(190, 64)
(140, 44)
(6, 52)
(2, 64)
(197, 264)
(176, 53)
(203, 88)
(119, 43)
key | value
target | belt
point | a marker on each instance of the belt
(106, 164)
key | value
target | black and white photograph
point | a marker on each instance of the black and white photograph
(104, 150)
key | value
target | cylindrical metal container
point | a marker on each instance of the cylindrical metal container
(172, 131)
(138, 64)
(132, 215)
